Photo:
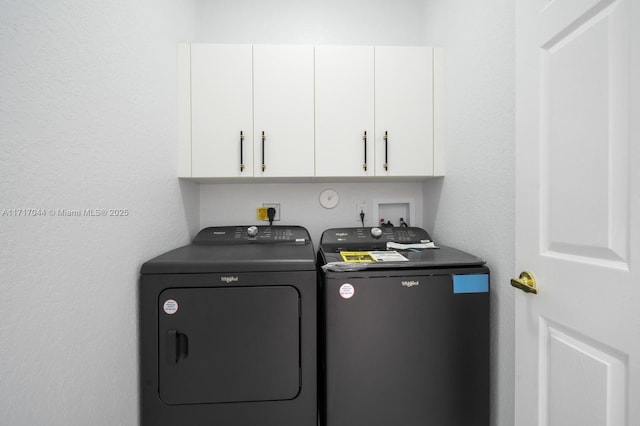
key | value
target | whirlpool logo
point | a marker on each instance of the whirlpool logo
(229, 280)
(410, 283)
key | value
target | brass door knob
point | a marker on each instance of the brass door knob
(526, 282)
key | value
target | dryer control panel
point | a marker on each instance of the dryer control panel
(250, 234)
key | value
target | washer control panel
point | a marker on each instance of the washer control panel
(370, 238)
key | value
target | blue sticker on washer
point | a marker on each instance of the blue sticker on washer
(473, 283)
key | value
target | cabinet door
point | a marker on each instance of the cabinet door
(221, 108)
(344, 110)
(283, 110)
(404, 110)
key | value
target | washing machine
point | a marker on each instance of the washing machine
(404, 330)
(228, 330)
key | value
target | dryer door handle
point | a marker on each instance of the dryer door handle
(176, 346)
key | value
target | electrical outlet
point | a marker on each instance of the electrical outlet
(275, 206)
(361, 207)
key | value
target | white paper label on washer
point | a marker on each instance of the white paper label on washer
(170, 307)
(347, 291)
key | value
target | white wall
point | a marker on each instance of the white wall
(235, 204)
(476, 200)
(87, 121)
(311, 21)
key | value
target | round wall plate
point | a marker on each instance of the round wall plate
(329, 198)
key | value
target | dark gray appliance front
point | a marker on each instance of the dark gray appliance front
(403, 344)
(228, 330)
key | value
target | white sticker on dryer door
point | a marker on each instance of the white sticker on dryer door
(170, 306)
(347, 291)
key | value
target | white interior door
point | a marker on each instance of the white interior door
(578, 212)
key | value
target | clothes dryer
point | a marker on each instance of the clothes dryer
(228, 330)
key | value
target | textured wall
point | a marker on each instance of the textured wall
(476, 200)
(311, 21)
(236, 203)
(87, 122)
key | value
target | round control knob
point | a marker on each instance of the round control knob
(376, 232)
(252, 231)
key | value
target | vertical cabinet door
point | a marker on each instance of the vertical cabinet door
(283, 110)
(221, 108)
(404, 111)
(344, 103)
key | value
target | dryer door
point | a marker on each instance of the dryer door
(231, 344)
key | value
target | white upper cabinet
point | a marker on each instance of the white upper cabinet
(387, 92)
(298, 111)
(344, 110)
(404, 138)
(283, 110)
(221, 110)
